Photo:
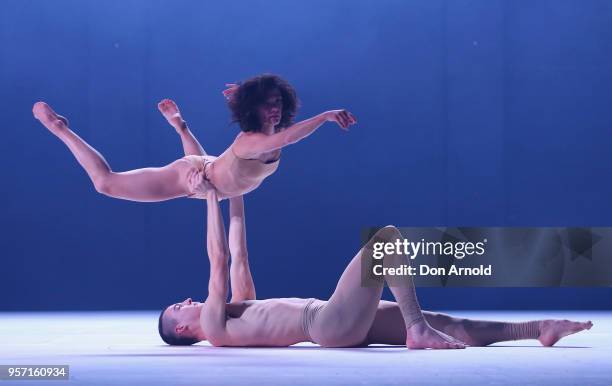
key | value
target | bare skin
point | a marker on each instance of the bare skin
(147, 184)
(472, 332)
(171, 112)
(276, 322)
(181, 178)
(553, 330)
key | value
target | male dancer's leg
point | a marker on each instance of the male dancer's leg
(147, 184)
(388, 328)
(348, 315)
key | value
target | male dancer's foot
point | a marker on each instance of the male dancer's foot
(553, 330)
(49, 118)
(171, 112)
(421, 335)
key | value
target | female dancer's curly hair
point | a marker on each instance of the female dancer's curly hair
(253, 92)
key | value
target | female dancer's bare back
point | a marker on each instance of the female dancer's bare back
(240, 169)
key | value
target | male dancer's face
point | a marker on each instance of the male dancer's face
(186, 314)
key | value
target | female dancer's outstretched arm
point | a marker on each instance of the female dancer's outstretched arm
(145, 185)
(251, 145)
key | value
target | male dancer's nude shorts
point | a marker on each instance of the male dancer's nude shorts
(201, 164)
(315, 316)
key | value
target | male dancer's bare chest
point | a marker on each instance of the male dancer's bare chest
(273, 322)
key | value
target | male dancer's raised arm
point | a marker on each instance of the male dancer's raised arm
(214, 315)
(242, 285)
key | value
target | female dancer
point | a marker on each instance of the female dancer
(264, 107)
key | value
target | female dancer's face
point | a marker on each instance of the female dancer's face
(271, 110)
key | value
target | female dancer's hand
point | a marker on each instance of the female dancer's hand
(343, 117)
(228, 92)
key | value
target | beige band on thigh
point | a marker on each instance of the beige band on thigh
(308, 316)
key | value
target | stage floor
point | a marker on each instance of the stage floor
(104, 348)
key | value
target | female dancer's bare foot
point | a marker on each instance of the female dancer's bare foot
(170, 111)
(553, 330)
(49, 118)
(422, 335)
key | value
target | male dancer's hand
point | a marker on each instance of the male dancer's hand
(343, 118)
(200, 186)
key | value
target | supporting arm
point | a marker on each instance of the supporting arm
(242, 284)
(214, 316)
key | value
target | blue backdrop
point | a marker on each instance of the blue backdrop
(470, 113)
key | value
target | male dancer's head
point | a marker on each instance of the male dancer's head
(179, 323)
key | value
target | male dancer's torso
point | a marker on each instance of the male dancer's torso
(270, 322)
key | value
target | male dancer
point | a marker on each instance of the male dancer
(353, 316)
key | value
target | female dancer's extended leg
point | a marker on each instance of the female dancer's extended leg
(146, 184)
